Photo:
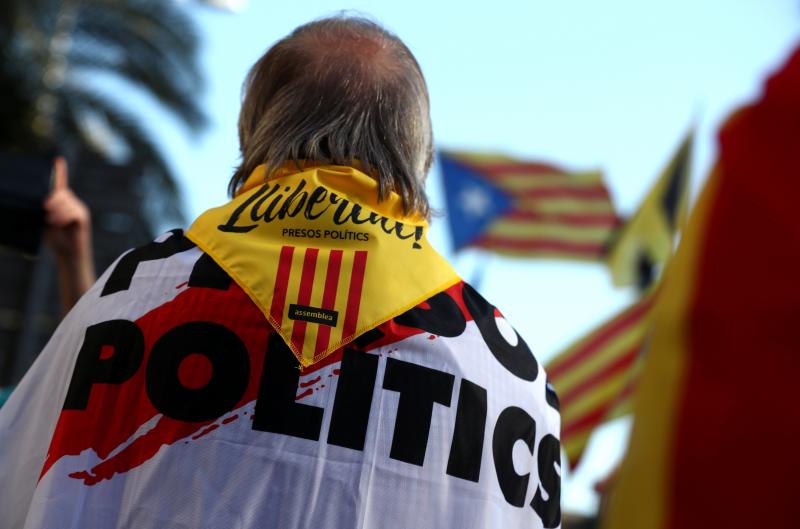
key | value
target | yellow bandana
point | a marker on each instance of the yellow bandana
(320, 256)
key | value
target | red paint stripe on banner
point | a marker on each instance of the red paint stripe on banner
(497, 242)
(589, 192)
(354, 294)
(596, 343)
(281, 284)
(566, 219)
(304, 294)
(329, 298)
(617, 366)
(124, 408)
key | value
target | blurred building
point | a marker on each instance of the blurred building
(29, 304)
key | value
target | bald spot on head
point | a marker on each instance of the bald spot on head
(351, 54)
(340, 90)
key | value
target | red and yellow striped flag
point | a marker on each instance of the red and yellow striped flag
(526, 209)
(595, 377)
(716, 420)
(329, 284)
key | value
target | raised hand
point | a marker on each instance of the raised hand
(68, 235)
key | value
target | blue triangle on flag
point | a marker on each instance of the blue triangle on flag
(472, 201)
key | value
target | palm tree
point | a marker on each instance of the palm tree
(54, 52)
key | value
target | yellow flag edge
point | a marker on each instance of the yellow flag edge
(641, 495)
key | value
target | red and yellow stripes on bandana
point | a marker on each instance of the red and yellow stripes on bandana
(332, 280)
(320, 256)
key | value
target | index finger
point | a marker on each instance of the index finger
(60, 174)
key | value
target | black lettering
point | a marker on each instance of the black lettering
(276, 409)
(518, 359)
(549, 461)
(341, 215)
(398, 231)
(513, 424)
(298, 192)
(229, 376)
(350, 415)
(419, 388)
(418, 231)
(127, 342)
(354, 215)
(282, 206)
(390, 229)
(254, 213)
(317, 197)
(466, 449)
(268, 215)
(122, 275)
(206, 273)
(443, 318)
(230, 224)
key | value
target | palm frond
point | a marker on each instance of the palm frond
(167, 73)
(151, 44)
(156, 20)
(166, 202)
(154, 79)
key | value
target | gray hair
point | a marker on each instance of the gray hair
(343, 91)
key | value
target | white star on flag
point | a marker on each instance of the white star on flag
(474, 201)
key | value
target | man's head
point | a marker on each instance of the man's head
(340, 90)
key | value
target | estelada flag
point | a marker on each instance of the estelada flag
(646, 239)
(714, 440)
(526, 209)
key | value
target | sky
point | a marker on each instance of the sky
(610, 85)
